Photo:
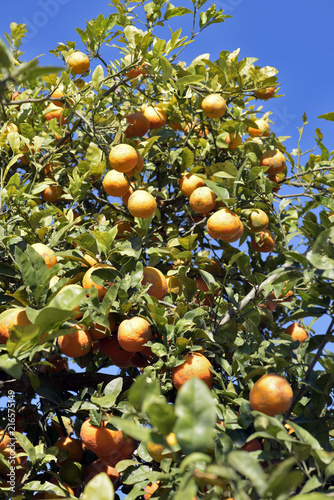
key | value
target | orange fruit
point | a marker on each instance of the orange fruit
(263, 129)
(194, 365)
(126, 197)
(53, 111)
(78, 62)
(136, 71)
(110, 347)
(98, 466)
(4, 442)
(89, 259)
(49, 169)
(123, 158)
(233, 141)
(253, 445)
(156, 451)
(52, 193)
(48, 255)
(87, 281)
(134, 333)
(72, 447)
(15, 317)
(138, 168)
(123, 452)
(202, 200)
(58, 364)
(58, 93)
(153, 276)
(265, 94)
(141, 204)
(200, 130)
(98, 332)
(223, 225)
(150, 489)
(75, 344)
(237, 236)
(115, 183)
(174, 285)
(100, 440)
(203, 287)
(266, 242)
(257, 220)
(271, 395)
(11, 127)
(275, 160)
(123, 227)
(155, 115)
(214, 106)
(189, 182)
(297, 332)
(138, 125)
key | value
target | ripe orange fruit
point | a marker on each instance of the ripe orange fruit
(141, 204)
(271, 395)
(214, 106)
(11, 127)
(257, 220)
(138, 125)
(48, 255)
(233, 141)
(5, 442)
(13, 317)
(98, 466)
(275, 160)
(265, 94)
(200, 130)
(115, 183)
(125, 198)
(263, 129)
(237, 236)
(52, 193)
(98, 332)
(123, 227)
(134, 333)
(194, 365)
(253, 445)
(123, 158)
(78, 62)
(157, 450)
(87, 281)
(202, 200)
(158, 288)
(75, 344)
(72, 448)
(57, 93)
(150, 489)
(53, 111)
(266, 242)
(126, 448)
(297, 332)
(203, 287)
(155, 115)
(100, 440)
(223, 225)
(136, 71)
(189, 182)
(110, 347)
(58, 364)
(138, 168)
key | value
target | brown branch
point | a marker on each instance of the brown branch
(308, 374)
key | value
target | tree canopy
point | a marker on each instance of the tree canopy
(164, 261)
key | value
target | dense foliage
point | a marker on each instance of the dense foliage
(230, 302)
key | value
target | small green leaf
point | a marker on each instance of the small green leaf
(167, 69)
(101, 484)
(11, 365)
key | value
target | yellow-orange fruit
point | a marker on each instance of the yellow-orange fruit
(202, 200)
(156, 116)
(141, 204)
(157, 450)
(55, 112)
(87, 281)
(136, 71)
(157, 280)
(123, 227)
(100, 440)
(5, 441)
(275, 160)
(189, 182)
(138, 125)
(223, 224)
(271, 395)
(214, 106)
(263, 129)
(125, 198)
(297, 332)
(17, 317)
(265, 94)
(233, 141)
(123, 158)
(194, 365)
(110, 347)
(174, 285)
(266, 242)
(134, 333)
(257, 220)
(99, 466)
(138, 168)
(78, 62)
(52, 193)
(237, 236)
(75, 344)
(48, 255)
(98, 332)
(115, 183)
(150, 489)
(72, 447)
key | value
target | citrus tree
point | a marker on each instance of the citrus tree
(164, 261)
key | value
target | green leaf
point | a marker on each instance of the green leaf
(143, 391)
(247, 465)
(106, 401)
(328, 116)
(32, 267)
(101, 484)
(176, 11)
(97, 77)
(28, 447)
(221, 192)
(196, 415)
(132, 429)
(11, 365)
(167, 69)
(5, 58)
(189, 80)
(187, 159)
